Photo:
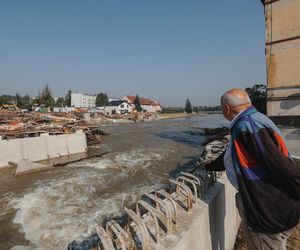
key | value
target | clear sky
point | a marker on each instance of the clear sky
(168, 50)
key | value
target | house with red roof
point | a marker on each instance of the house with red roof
(147, 104)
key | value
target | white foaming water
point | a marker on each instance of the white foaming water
(61, 210)
(140, 158)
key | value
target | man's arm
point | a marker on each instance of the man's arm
(217, 164)
(273, 157)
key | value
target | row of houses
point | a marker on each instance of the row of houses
(124, 105)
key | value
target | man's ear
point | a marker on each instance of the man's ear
(227, 109)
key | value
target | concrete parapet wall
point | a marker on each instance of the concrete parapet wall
(179, 221)
(213, 223)
(292, 137)
(41, 148)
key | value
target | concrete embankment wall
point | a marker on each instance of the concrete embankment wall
(213, 223)
(41, 148)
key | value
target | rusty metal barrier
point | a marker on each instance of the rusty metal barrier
(187, 185)
(122, 238)
(204, 176)
(185, 191)
(105, 239)
(162, 206)
(192, 183)
(199, 182)
(144, 236)
(152, 213)
(169, 197)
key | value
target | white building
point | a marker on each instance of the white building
(79, 100)
(118, 107)
(147, 104)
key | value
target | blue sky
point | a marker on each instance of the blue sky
(168, 50)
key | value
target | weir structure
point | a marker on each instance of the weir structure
(42, 147)
(282, 68)
(191, 213)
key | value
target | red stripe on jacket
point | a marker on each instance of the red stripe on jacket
(246, 160)
(282, 147)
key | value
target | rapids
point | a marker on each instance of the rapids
(48, 210)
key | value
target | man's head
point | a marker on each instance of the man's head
(233, 102)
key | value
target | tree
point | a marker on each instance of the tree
(7, 99)
(19, 102)
(23, 102)
(137, 103)
(46, 97)
(60, 102)
(27, 101)
(258, 96)
(196, 109)
(172, 110)
(36, 100)
(101, 100)
(210, 108)
(68, 98)
(188, 107)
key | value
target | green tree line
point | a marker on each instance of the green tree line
(257, 94)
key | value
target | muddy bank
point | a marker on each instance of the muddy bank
(178, 115)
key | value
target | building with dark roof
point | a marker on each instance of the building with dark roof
(119, 107)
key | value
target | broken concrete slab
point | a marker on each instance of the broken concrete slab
(26, 166)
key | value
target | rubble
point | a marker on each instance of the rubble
(214, 134)
(213, 131)
(16, 124)
(212, 150)
(133, 117)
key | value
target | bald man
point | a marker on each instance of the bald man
(259, 166)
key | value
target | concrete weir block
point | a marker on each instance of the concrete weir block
(292, 138)
(25, 166)
(212, 223)
(42, 147)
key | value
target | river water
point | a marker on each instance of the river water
(48, 210)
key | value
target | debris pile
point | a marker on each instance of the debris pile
(212, 150)
(16, 124)
(214, 134)
(214, 131)
(134, 117)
